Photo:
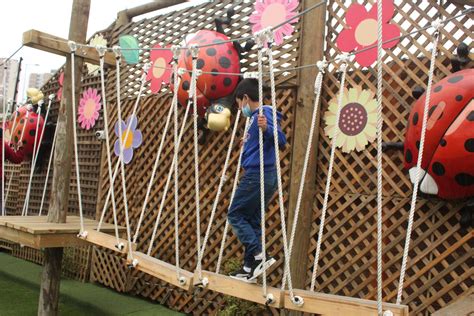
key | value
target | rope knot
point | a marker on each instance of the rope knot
(146, 68)
(251, 75)
(261, 38)
(181, 71)
(194, 49)
(40, 104)
(117, 51)
(51, 96)
(437, 25)
(322, 64)
(101, 49)
(72, 46)
(175, 49)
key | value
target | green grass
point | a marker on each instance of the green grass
(19, 292)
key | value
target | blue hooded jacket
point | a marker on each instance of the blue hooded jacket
(251, 154)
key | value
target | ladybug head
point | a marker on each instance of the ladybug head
(219, 113)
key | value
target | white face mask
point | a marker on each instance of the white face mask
(246, 111)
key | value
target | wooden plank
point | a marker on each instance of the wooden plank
(329, 305)
(162, 270)
(59, 46)
(107, 241)
(247, 291)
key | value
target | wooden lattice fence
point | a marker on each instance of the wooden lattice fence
(440, 265)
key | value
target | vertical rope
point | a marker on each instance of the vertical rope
(5, 68)
(36, 149)
(43, 195)
(261, 38)
(317, 90)
(73, 47)
(219, 188)
(194, 53)
(101, 51)
(437, 25)
(379, 155)
(234, 188)
(330, 169)
(278, 168)
(174, 103)
(12, 171)
(168, 180)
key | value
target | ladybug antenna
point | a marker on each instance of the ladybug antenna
(221, 22)
(462, 59)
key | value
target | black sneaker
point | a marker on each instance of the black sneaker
(259, 266)
(242, 275)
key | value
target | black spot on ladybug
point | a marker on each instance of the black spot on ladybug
(32, 132)
(469, 145)
(459, 98)
(443, 142)
(215, 72)
(24, 142)
(417, 144)
(32, 121)
(200, 63)
(408, 156)
(185, 85)
(224, 62)
(227, 82)
(16, 139)
(430, 111)
(213, 87)
(22, 121)
(438, 88)
(229, 52)
(470, 116)
(19, 133)
(464, 179)
(415, 119)
(211, 51)
(455, 79)
(438, 169)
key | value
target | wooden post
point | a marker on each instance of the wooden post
(311, 50)
(59, 201)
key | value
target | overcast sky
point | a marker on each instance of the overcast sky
(50, 16)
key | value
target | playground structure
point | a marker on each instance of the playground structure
(349, 244)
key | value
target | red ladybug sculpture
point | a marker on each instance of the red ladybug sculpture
(26, 119)
(219, 59)
(448, 157)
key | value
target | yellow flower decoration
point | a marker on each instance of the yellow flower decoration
(357, 122)
(97, 40)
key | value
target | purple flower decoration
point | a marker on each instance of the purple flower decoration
(134, 138)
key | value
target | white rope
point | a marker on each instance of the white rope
(124, 139)
(27, 116)
(261, 42)
(234, 188)
(165, 190)
(278, 169)
(328, 180)
(194, 53)
(5, 68)
(101, 51)
(51, 155)
(73, 47)
(36, 149)
(317, 91)
(12, 171)
(159, 152)
(222, 180)
(379, 156)
(416, 183)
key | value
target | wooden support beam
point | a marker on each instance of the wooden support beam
(57, 45)
(311, 50)
(247, 291)
(107, 241)
(59, 200)
(162, 270)
(334, 305)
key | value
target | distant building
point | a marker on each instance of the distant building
(11, 74)
(38, 80)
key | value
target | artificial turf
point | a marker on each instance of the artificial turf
(19, 292)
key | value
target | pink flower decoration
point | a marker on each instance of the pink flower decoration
(159, 72)
(59, 94)
(269, 13)
(362, 31)
(89, 107)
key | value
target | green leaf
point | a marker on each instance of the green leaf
(130, 49)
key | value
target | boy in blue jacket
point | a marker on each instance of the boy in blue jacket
(244, 213)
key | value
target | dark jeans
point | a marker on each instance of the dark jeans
(245, 215)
